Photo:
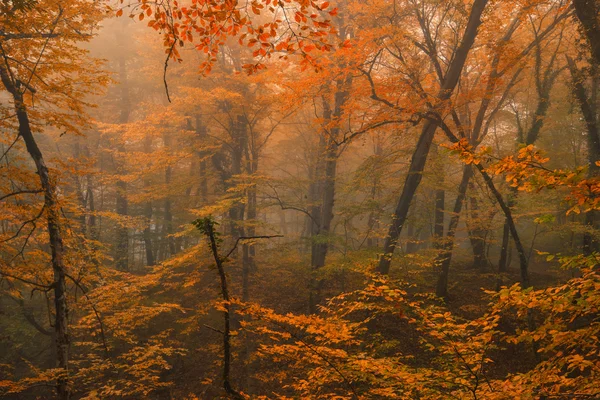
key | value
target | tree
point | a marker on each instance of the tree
(50, 33)
(425, 139)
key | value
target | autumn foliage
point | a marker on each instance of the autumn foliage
(299, 199)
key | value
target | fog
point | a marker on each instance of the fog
(299, 200)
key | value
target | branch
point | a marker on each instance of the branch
(9, 36)
(250, 238)
(19, 192)
(96, 312)
(169, 54)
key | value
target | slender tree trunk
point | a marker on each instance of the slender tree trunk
(248, 251)
(147, 234)
(92, 228)
(421, 152)
(438, 222)
(373, 220)
(208, 229)
(523, 262)
(588, 107)
(122, 234)
(169, 216)
(544, 83)
(52, 209)
(239, 130)
(201, 132)
(321, 246)
(445, 257)
(412, 234)
(439, 203)
(504, 247)
(477, 233)
(81, 198)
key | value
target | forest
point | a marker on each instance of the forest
(299, 199)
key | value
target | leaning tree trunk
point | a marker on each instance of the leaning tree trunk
(523, 262)
(54, 233)
(421, 152)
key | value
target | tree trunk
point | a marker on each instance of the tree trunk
(208, 229)
(419, 157)
(477, 234)
(320, 244)
(523, 262)
(588, 107)
(438, 221)
(147, 234)
(122, 234)
(52, 209)
(503, 262)
(169, 216)
(445, 256)
(327, 185)
(412, 234)
(587, 12)
(201, 132)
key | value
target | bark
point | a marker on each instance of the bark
(421, 152)
(588, 109)
(445, 256)
(587, 12)
(52, 209)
